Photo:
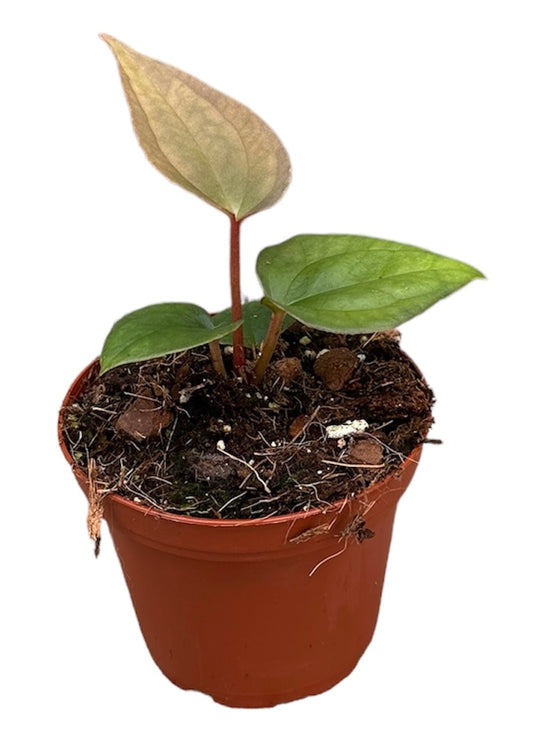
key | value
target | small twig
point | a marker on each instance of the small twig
(307, 424)
(245, 463)
(231, 500)
(270, 515)
(169, 440)
(390, 450)
(143, 396)
(243, 483)
(141, 497)
(113, 461)
(350, 464)
(159, 479)
(265, 500)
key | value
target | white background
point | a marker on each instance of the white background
(404, 120)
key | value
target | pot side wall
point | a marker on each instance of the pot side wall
(257, 632)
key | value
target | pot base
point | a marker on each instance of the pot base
(264, 700)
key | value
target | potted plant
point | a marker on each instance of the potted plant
(249, 463)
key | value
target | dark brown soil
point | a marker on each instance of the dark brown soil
(172, 433)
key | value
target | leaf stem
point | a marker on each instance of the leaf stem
(216, 358)
(236, 300)
(269, 345)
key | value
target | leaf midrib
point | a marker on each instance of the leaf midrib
(187, 127)
(363, 283)
(374, 308)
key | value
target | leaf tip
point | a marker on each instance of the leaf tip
(113, 43)
(475, 273)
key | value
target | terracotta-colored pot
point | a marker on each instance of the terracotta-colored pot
(255, 612)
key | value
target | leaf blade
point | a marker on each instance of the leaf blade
(158, 330)
(356, 284)
(201, 139)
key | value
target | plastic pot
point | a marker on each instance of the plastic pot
(255, 612)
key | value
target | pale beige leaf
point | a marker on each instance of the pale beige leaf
(201, 139)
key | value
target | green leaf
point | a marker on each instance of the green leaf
(201, 139)
(255, 318)
(159, 330)
(355, 284)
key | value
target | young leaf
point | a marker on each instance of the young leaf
(355, 284)
(255, 321)
(159, 330)
(201, 139)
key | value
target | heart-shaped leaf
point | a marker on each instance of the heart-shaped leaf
(201, 139)
(355, 284)
(255, 321)
(159, 330)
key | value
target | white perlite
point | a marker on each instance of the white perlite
(336, 431)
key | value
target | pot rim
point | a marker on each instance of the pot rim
(144, 510)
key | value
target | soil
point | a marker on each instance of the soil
(333, 415)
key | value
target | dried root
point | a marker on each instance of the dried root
(96, 508)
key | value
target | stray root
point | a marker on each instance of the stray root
(328, 558)
(356, 529)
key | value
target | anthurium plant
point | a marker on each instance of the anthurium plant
(222, 152)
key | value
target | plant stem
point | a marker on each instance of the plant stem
(216, 358)
(236, 301)
(269, 345)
